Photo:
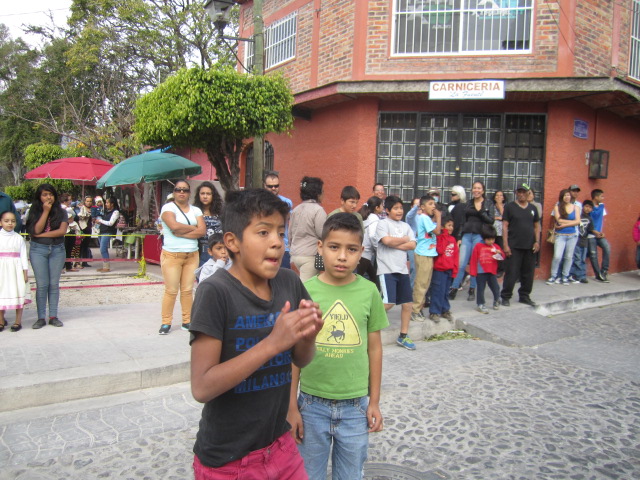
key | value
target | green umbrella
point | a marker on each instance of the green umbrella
(149, 167)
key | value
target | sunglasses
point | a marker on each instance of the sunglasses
(181, 190)
(454, 194)
(273, 186)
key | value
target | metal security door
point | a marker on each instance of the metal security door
(417, 151)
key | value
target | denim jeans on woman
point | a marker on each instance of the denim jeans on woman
(178, 273)
(469, 240)
(342, 423)
(104, 247)
(47, 262)
(563, 251)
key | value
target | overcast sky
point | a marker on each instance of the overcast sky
(14, 14)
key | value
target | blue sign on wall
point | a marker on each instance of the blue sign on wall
(580, 129)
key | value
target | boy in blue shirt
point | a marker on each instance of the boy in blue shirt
(428, 223)
(597, 217)
(340, 389)
(244, 337)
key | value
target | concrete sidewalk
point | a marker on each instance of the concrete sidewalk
(104, 350)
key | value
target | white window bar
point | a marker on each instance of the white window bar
(634, 57)
(423, 27)
(279, 42)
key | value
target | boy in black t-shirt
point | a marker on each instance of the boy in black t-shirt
(244, 337)
(520, 233)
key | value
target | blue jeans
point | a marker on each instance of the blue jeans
(579, 266)
(341, 422)
(47, 262)
(440, 285)
(593, 254)
(469, 240)
(563, 251)
(104, 247)
(412, 266)
(485, 279)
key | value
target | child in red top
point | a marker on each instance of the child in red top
(445, 268)
(484, 266)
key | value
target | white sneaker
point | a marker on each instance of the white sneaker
(551, 281)
(482, 309)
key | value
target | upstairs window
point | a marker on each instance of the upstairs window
(634, 63)
(279, 42)
(424, 27)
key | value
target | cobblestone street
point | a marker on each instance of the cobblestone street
(460, 409)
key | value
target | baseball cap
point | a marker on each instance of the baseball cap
(523, 186)
(574, 187)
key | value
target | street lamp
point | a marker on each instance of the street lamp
(220, 13)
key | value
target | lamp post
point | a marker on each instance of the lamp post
(220, 12)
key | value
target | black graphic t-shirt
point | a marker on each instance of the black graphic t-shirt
(253, 414)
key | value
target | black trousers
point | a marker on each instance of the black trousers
(519, 266)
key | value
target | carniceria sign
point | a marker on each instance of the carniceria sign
(467, 90)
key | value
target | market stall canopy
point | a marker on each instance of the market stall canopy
(149, 167)
(81, 169)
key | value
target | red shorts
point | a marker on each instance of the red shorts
(278, 461)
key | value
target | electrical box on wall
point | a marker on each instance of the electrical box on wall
(598, 163)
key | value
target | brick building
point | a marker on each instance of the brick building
(547, 86)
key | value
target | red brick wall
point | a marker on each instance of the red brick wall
(338, 145)
(593, 28)
(571, 38)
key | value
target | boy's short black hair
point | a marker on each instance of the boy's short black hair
(343, 221)
(446, 219)
(390, 201)
(349, 193)
(488, 231)
(214, 240)
(242, 206)
(595, 193)
(588, 202)
(425, 198)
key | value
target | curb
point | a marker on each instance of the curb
(47, 388)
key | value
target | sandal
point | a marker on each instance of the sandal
(16, 327)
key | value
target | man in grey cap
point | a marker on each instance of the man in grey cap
(575, 191)
(521, 234)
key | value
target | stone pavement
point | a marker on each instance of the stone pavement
(459, 409)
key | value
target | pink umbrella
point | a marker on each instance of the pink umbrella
(81, 169)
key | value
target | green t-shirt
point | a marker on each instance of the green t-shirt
(340, 368)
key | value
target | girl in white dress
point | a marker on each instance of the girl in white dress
(14, 266)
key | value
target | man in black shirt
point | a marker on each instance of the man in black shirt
(521, 233)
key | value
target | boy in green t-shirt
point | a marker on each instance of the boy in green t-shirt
(340, 389)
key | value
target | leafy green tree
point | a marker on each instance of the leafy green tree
(18, 122)
(214, 110)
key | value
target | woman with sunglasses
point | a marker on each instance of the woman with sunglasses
(182, 226)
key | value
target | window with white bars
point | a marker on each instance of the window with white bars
(279, 42)
(634, 61)
(428, 27)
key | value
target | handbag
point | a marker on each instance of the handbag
(318, 262)
(551, 236)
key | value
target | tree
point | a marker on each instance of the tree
(18, 64)
(214, 110)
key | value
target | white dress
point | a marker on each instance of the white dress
(14, 291)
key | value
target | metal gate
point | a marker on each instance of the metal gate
(417, 151)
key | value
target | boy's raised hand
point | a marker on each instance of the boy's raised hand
(291, 327)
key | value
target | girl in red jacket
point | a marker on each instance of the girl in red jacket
(445, 269)
(484, 266)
